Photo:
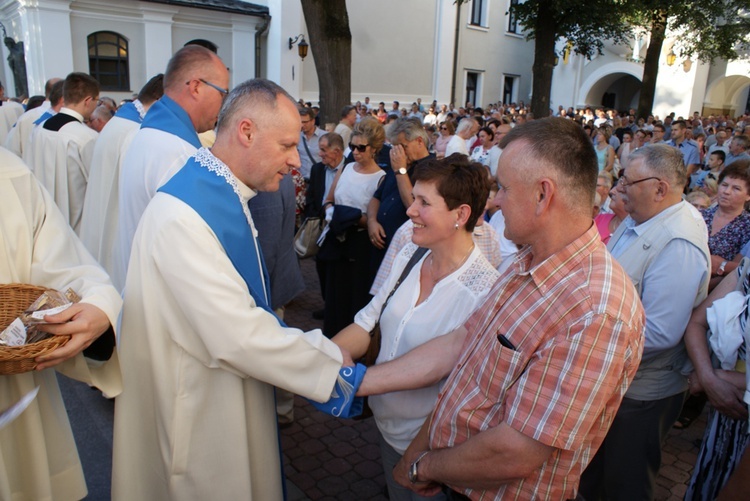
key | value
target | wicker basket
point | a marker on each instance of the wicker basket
(14, 299)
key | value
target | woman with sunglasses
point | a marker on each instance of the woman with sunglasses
(348, 253)
(446, 133)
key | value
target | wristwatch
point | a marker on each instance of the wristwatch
(413, 474)
(401, 171)
(721, 268)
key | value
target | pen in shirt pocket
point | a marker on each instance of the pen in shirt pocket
(505, 342)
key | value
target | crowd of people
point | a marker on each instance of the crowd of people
(546, 291)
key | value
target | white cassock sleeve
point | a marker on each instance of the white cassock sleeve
(38, 458)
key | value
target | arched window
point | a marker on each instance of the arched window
(204, 43)
(108, 60)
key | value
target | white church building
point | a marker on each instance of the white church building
(401, 49)
(683, 85)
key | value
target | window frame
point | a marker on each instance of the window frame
(478, 15)
(477, 90)
(515, 84)
(512, 26)
(120, 65)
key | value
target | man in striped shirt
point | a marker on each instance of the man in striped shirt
(542, 366)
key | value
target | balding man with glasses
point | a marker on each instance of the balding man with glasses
(195, 84)
(663, 246)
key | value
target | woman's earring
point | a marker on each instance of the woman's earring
(456, 225)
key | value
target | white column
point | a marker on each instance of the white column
(284, 66)
(445, 34)
(49, 52)
(157, 29)
(243, 49)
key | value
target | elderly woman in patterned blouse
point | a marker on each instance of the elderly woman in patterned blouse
(728, 221)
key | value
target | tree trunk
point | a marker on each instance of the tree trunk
(651, 65)
(331, 45)
(544, 60)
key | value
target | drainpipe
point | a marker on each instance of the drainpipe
(455, 52)
(260, 30)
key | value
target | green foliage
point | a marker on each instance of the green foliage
(705, 30)
(586, 23)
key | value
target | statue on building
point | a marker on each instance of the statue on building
(17, 63)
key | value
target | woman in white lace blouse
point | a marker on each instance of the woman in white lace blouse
(443, 288)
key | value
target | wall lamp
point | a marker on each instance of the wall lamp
(302, 46)
(671, 58)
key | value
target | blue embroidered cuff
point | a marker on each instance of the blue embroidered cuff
(343, 402)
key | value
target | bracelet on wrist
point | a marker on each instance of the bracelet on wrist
(413, 468)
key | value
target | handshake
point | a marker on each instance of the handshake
(343, 402)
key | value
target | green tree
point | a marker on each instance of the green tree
(331, 44)
(704, 30)
(586, 24)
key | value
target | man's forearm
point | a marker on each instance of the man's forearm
(404, 189)
(485, 461)
(695, 333)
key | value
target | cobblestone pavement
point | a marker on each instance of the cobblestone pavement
(333, 459)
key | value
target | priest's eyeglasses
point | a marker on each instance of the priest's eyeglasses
(224, 92)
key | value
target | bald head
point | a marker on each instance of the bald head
(257, 134)
(197, 80)
(48, 86)
(259, 97)
(191, 61)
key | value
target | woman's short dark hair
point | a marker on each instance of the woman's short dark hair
(740, 170)
(459, 181)
(487, 131)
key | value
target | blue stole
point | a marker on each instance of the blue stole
(128, 111)
(169, 116)
(47, 114)
(213, 198)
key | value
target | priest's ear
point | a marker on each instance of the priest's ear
(247, 131)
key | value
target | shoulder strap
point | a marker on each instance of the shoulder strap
(421, 251)
(307, 149)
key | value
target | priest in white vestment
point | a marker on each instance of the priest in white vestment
(56, 103)
(201, 348)
(9, 113)
(18, 137)
(19, 134)
(195, 84)
(62, 147)
(38, 457)
(101, 204)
